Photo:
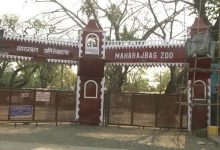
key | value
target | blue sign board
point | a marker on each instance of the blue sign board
(21, 110)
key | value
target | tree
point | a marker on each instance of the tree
(22, 74)
(67, 78)
(12, 77)
(136, 81)
(5, 72)
(44, 75)
(163, 79)
(209, 10)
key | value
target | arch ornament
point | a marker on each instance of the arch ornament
(90, 89)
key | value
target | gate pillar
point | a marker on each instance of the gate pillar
(90, 77)
(199, 81)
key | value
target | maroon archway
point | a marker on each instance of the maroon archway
(91, 53)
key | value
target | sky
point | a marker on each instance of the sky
(28, 8)
(18, 7)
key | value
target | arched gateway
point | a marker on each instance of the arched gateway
(91, 53)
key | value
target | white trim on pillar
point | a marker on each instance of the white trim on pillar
(77, 97)
(80, 44)
(102, 99)
(209, 101)
(103, 46)
(189, 105)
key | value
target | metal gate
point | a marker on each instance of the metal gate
(33, 105)
(146, 110)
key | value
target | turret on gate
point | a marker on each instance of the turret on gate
(200, 51)
(90, 79)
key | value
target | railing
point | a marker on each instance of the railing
(145, 110)
(133, 109)
(27, 105)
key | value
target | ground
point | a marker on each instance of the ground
(72, 137)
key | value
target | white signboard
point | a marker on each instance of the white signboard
(25, 94)
(42, 96)
(92, 50)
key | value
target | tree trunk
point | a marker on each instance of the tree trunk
(117, 78)
(171, 87)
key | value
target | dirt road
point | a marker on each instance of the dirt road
(67, 137)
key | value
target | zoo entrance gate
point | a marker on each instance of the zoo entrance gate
(132, 109)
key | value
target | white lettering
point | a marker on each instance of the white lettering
(27, 49)
(150, 55)
(130, 55)
(133, 55)
(56, 51)
(122, 56)
(137, 56)
(155, 55)
(117, 55)
(126, 56)
(166, 55)
(146, 55)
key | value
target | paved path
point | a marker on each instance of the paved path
(66, 137)
(216, 140)
(5, 145)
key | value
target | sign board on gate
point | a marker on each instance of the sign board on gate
(25, 94)
(42, 96)
(151, 54)
(21, 110)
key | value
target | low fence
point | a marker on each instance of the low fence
(150, 110)
(37, 105)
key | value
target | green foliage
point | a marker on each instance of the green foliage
(21, 75)
(114, 14)
(87, 7)
(15, 74)
(53, 76)
(213, 9)
(5, 72)
(36, 26)
(44, 75)
(10, 21)
(115, 77)
(136, 82)
(163, 79)
(126, 35)
(66, 78)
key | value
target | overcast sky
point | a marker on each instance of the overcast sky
(28, 8)
(25, 9)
